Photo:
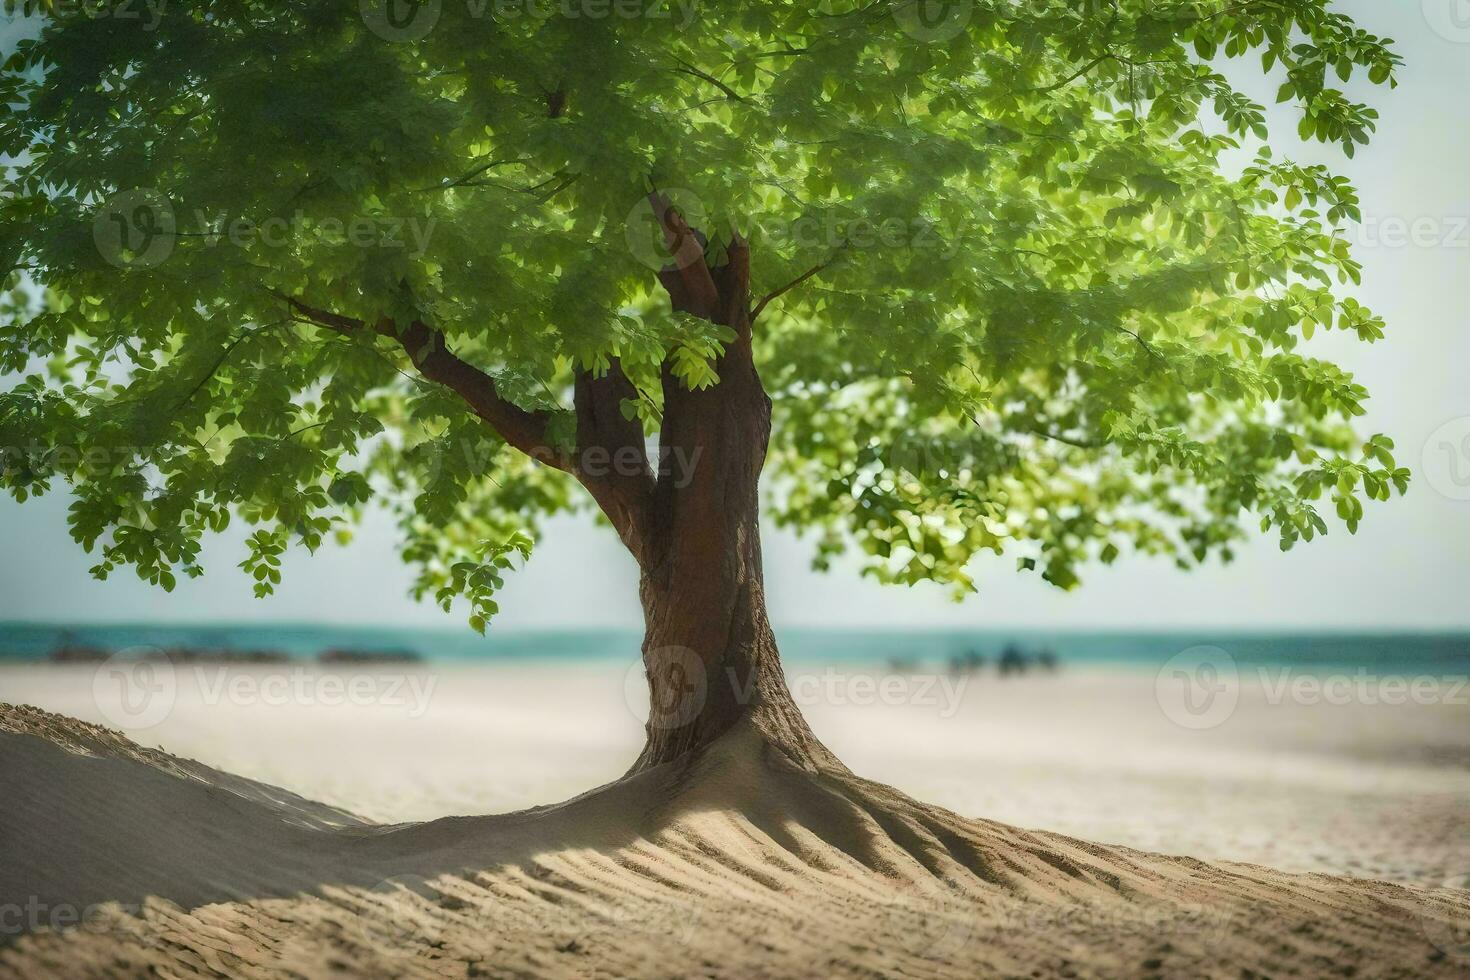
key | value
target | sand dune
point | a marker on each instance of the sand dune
(740, 864)
(1374, 791)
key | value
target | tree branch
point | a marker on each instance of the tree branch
(425, 347)
(688, 280)
(471, 174)
(688, 69)
(1075, 441)
(773, 294)
(612, 462)
(1043, 89)
(609, 460)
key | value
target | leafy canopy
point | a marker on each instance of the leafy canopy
(1029, 303)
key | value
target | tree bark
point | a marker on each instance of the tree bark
(709, 651)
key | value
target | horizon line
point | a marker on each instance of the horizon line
(1162, 629)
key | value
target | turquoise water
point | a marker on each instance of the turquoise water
(1433, 653)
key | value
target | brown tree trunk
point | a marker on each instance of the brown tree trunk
(709, 652)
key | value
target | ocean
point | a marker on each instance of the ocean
(1384, 653)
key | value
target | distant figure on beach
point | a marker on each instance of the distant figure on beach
(1047, 660)
(903, 665)
(969, 662)
(1012, 661)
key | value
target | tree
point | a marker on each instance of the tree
(961, 277)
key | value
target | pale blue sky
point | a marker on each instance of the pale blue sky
(1408, 566)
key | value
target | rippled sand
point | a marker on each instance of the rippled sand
(741, 866)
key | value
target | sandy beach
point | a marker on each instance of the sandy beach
(1372, 790)
(293, 828)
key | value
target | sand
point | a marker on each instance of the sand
(739, 865)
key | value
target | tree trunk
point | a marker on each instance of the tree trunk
(709, 652)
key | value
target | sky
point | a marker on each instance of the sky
(1408, 567)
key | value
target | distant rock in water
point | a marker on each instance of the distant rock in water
(214, 655)
(343, 656)
(74, 654)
